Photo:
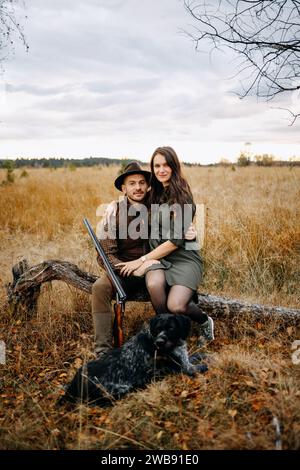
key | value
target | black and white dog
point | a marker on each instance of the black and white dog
(157, 350)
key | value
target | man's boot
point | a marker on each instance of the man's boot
(102, 294)
(103, 333)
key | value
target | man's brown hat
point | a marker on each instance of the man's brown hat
(131, 169)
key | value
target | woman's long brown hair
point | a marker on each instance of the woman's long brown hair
(178, 190)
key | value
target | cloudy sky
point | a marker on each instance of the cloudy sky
(118, 78)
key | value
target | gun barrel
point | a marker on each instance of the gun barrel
(109, 269)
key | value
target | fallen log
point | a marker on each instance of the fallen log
(24, 291)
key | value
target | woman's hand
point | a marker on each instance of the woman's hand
(191, 233)
(129, 266)
(142, 269)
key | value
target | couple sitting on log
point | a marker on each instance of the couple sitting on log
(149, 239)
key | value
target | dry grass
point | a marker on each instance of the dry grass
(252, 252)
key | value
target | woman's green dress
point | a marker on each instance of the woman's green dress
(184, 266)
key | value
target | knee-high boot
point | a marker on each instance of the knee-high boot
(102, 294)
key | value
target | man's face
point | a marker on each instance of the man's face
(135, 187)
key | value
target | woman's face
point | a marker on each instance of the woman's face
(162, 170)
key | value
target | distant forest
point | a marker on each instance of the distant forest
(62, 162)
(70, 162)
(264, 160)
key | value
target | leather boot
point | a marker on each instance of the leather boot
(103, 332)
(102, 294)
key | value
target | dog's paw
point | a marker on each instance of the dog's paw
(197, 357)
(193, 370)
(201, 368)
(65, 400)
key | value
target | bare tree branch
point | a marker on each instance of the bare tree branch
(265, 34)
(10, 28)
(293, 115)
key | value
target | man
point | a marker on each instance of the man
(134, 183)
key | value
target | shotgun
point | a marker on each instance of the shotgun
(119, 307)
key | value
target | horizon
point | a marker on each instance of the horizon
(222, 161)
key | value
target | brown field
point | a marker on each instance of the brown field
(252, 252)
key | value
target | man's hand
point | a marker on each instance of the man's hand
(128, 267)
(142, 269)
(191, 233)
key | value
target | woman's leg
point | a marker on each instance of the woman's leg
(157, 288)
(179, 301)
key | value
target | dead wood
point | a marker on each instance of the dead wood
(24, 291)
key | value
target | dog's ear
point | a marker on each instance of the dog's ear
(184, 325)
(153, 321)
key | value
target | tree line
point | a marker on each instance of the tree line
(244, 159)
(62, 162)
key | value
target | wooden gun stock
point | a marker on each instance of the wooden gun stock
(119, 307)
(118, 324)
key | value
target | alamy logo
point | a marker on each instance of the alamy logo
(296, 353)
(161, 222)
(2, 353)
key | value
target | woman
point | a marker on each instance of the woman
(173, 282)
